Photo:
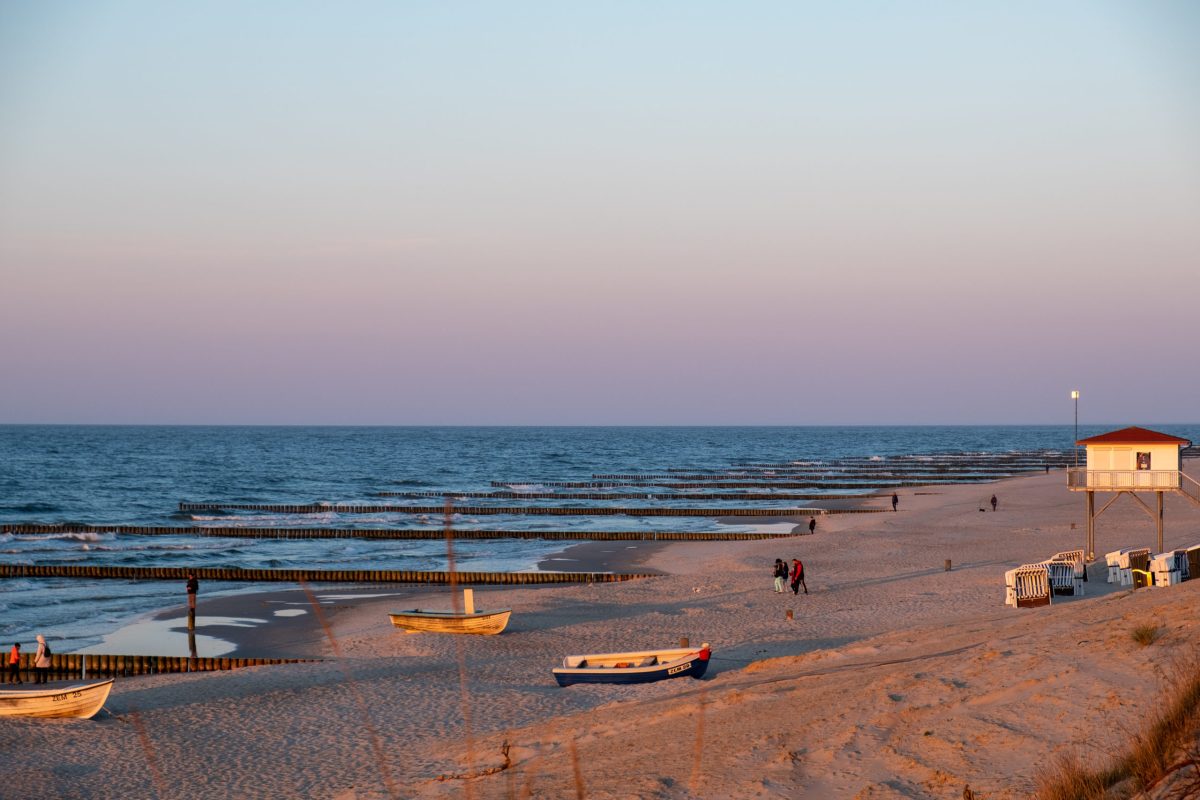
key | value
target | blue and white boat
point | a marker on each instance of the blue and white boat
(642, 666)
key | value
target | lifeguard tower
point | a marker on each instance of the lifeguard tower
(1130, 461)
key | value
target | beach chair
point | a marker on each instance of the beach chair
(1131, 559)
(1074, 557)
(1168, 568)
(1193, 562)
(1062, 577)
(1113, 560)
(1027, 586)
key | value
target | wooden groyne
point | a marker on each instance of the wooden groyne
(865, 486)
(783, 475)
(536, 511)
(312, 575)
(504, 495)
(839, 469)
(28, 529)
(77, 666)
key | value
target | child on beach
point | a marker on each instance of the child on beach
(781, 573)
(798, 577)
(14, 663)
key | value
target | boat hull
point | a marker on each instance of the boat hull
(80, 701)
(487, 623)
(693, 664)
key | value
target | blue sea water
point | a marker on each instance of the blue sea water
(138, 475)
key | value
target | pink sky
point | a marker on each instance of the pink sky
(603, 217)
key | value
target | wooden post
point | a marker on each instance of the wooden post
(683, 641)
(469, 601)
(1090, 544)
(947, 565)
(1160, 521)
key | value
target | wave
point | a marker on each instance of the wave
(31, 508)
(77, 536)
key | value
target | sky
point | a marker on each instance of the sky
(599, 213)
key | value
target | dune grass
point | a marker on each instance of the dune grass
(1145, 634)
(1170, 741)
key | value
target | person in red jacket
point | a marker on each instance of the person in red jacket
(14, 664)
(798, 576)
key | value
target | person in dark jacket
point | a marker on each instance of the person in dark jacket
(994, 501)
(781, 573)
(812, 524)
(193, 586)
(895, 500)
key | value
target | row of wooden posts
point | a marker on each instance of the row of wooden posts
(313, 575)
(725, 484)
(544, 511)
(65, 666)
(781, 475)
(386, 533)
(503, 495)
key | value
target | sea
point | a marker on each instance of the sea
(138, 475)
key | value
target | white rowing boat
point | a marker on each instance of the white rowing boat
(83, 701)
(466, 621)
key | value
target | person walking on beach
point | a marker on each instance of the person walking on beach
(812, 525)
(14, 664)
(41, 660)
(895, 500)
(193, 586)
(798, 576)
(993, 502)
(781, 573)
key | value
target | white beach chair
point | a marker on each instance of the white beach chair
(1062, 577)
(1075, 558)
(1113, 560)
(1027, 586)
(1168, 567)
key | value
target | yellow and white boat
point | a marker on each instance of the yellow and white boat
(466, 621)
(83, 701)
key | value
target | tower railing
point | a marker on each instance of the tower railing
(1127, 479)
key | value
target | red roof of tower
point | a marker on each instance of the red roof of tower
(1135, 435)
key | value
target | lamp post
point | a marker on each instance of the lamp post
(1075, 397)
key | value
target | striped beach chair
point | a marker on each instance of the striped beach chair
(1027, 586)
(1063, 579)
(1074, 557)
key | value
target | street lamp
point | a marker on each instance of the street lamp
(1075, 397)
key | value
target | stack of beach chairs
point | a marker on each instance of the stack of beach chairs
(1129, 566)
(1033, 585)
(1137, 567)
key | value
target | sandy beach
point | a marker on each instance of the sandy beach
(896, 677)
